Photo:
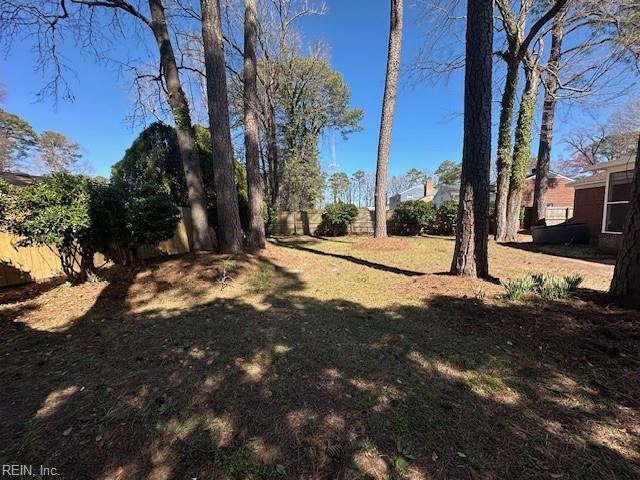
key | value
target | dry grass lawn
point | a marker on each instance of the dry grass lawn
(323, 359)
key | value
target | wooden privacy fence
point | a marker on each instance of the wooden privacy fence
(28, 264)
(307, 222)
(557, 215)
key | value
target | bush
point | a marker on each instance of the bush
(57, 213)
(79, 217)
(413, 217)
(337, 218)
(446, 218)
(269, 214)
(130, 215)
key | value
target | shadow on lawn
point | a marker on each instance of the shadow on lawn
(301, 245)
(587, 253)
(450, 389)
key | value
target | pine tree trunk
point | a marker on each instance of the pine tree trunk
(255, 240)
(229, 229)
(504, 147)
(184, 129)
(470, 255)
(386, 124)
(543, 164)
(625, 287)
(522, 147)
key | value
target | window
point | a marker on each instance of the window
(617, 201)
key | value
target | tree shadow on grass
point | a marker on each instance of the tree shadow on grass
(587, 253)
(301, 245)
(260, 387)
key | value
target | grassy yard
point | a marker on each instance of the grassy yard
(323, 359)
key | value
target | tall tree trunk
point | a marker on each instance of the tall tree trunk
(507, 106)
(470, 256)
(229, 229)
(386, 124)
(255, 240)
(272, 155)
(543, 164)
(625, 287)
(184, 129)
(522, 147)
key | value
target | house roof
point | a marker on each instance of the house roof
(594, 180)
(20, 179)
(449, 186)
(552, 174)
(612, 164)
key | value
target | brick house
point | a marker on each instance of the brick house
(602, 200)
(560, 198)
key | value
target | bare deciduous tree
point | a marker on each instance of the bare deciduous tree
(48, 23)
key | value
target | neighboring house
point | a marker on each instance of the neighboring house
(423, 192)
(446, 193)
(20, 179)
(451, 193)
(602, 200)
(559, 198)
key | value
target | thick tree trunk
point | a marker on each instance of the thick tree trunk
(543, 164)
(255, 240)
(504, 147)
(470, 255)
(386, 124)
(522, 147)
(184, 129)
(229, 229)
(625, 287)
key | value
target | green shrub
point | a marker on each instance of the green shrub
(57, 213)
(337, 218)
(413, 217)
(130, 215)
(446, 218)
(269, 214)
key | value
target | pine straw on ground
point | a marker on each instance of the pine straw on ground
(321, 359)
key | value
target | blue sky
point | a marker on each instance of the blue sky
(427, 127)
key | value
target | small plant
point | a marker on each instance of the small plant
(546, 287)
(261, 279)
(480, 294)
(573, 282)
(224, 278)
(519, 288)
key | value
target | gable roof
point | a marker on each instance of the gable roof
(20, 179)
(552, 174)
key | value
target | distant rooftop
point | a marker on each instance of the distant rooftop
(20, 179)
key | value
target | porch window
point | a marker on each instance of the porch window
(617, 201)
